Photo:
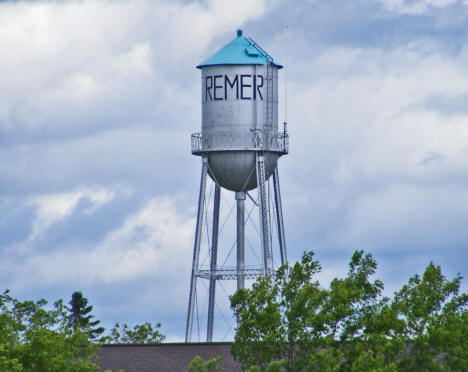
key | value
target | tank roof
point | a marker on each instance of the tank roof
(240, 51)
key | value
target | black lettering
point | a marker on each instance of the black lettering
(208, 88)
(244, 86)
(231, 84)
(254, 87)
(217, 87)
(260, 86)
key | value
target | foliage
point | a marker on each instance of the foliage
(145, 333)
(199, 365)
(80, 318)
(275, 366)
(34, 339)
(289, 321)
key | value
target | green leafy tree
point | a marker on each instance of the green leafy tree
(145, 333)
(35, 339)
(289, 321)
(271, 367)
(432, 323)
(289, 314)
(424, 327)
(80, 316)
(199, 365)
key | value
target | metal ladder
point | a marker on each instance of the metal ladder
(269, 81)
(264, 215)
(269, 97)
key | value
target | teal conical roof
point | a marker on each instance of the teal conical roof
(240, 51)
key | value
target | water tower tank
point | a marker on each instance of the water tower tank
(239, 114)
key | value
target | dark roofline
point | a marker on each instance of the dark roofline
(163, 357)
(170, 344)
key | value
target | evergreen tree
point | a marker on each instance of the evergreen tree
(80, 316)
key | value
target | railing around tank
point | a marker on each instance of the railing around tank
(197, 143)
(230, 273)
(241, 140)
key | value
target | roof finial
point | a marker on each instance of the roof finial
(239, 33)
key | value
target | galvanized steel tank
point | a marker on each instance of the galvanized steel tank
(239, 114)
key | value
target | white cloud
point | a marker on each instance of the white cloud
(67, 61)
(370, 159)
(138, 59)
(415, 7)
(53, 208)
(378, 105)
(153, 242)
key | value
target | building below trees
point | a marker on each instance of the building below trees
(167, 357)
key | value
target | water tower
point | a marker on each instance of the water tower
(239, 147)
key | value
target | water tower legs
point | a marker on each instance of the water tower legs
(240, 273)
(196, 250)
(240, 197)
(279, 217)
(213, 262)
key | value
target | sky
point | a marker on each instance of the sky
(98, 187)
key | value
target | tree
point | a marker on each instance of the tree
(145, 333)
(287, 315)
(35, 339)
(199, 365)
(80, 318)
(424, 327)
(431, 319)
(290, 319)
(212, 365)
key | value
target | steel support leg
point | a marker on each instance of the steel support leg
(263, 211)
(279, 217)
(196, 251)
(214, 257)
(240, 197)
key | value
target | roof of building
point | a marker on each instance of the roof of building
(166, 357)
(240, 51)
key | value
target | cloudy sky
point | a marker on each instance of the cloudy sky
(98, 187)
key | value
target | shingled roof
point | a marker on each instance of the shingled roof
(167, 357)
